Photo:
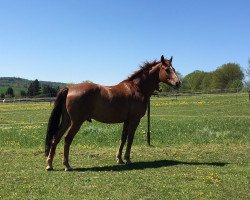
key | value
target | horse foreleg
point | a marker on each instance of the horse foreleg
(131, 132)
(67, 142)
(122, 143)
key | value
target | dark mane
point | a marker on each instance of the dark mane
(143, 68)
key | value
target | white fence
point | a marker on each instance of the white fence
(27, 100)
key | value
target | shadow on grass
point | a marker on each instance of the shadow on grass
(147, 165)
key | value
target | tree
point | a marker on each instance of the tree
(34, 88)
(2, 95)
(23, 93)
(194, 80)
(31, 89)
(236, 84)
(49, 90)
(226, 74)
(10, 92)
(37, 87)
(206, 84)
(247, 83)
(248, 69)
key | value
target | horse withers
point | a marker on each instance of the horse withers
(124, 103)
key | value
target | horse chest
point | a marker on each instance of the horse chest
(137, 109)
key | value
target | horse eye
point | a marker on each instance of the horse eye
(168, 71)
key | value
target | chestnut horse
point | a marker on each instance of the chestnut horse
(124, 103)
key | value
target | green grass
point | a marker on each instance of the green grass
(201, 150)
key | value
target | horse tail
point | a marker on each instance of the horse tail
(54, 119)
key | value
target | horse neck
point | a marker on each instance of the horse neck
(150, 82)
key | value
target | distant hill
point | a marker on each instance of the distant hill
(19, 84)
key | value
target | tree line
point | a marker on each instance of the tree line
(227, 76)
(34, 90)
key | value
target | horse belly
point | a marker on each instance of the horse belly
(110, 113)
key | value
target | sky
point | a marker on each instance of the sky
(104, 41)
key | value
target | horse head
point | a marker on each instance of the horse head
(167, 73)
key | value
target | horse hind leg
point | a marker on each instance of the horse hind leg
(62, 129)
(74, 128)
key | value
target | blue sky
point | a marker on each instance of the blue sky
(105, 41)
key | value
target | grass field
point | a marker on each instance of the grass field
(201, 150)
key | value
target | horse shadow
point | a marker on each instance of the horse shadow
(147, 165)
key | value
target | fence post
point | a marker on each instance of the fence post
(148, 113)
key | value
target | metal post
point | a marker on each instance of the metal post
(148, 133)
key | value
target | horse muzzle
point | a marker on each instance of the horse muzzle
(177, 85)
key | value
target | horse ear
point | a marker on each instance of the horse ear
(162, 59)
(171, 59)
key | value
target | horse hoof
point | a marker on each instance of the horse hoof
(49, 168)
(120, 161)
(128, 162)
(68, 169)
